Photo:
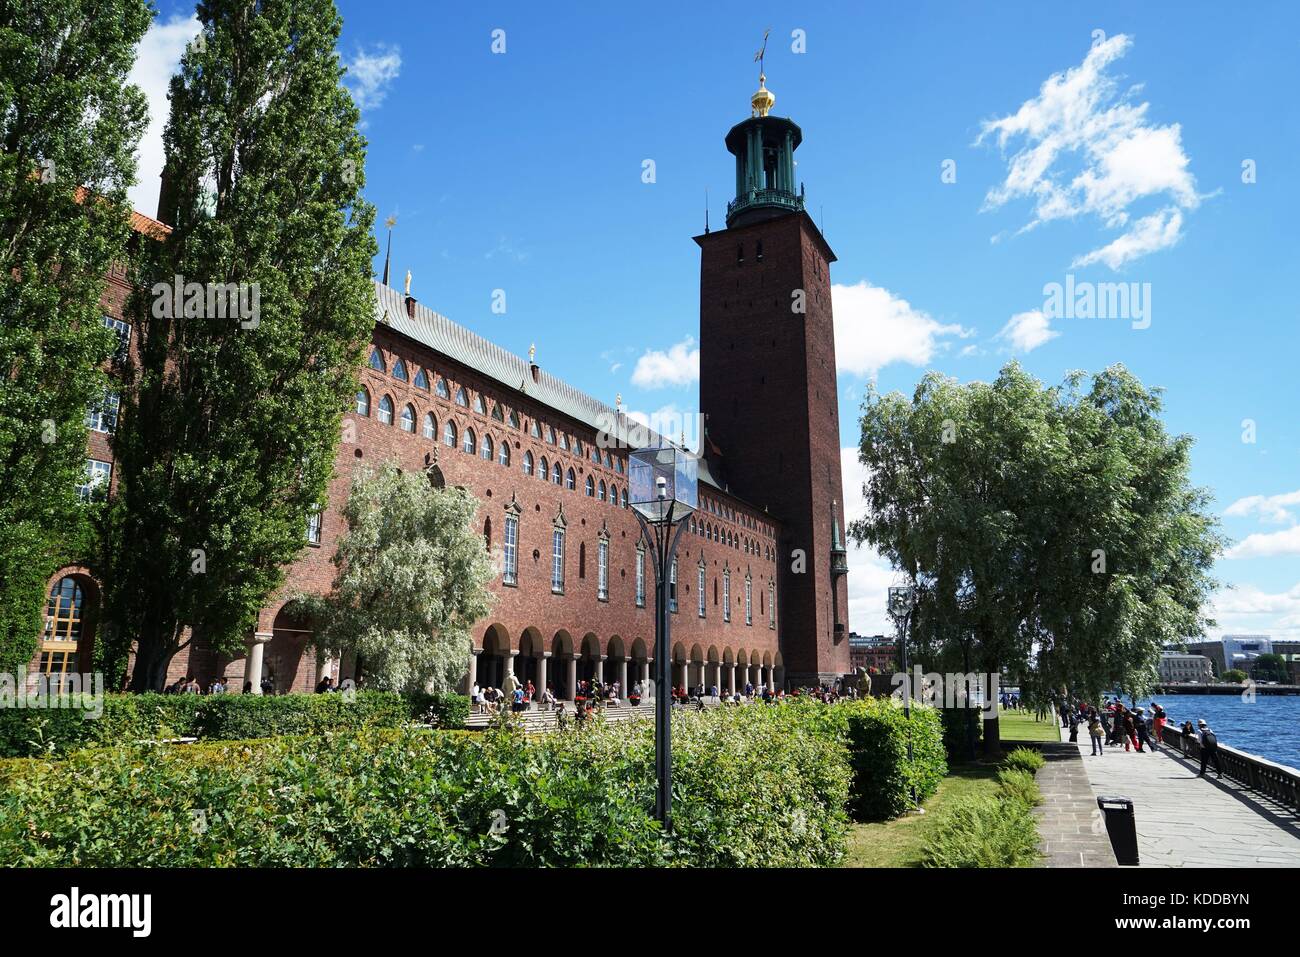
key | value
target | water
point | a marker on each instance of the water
(1269, 726)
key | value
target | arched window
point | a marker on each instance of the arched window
(582, 559)
(591, 487)
(550, 435)
(497, 413)
(487, 534)
(564, 441)
(488, 450)
(544, 472)
(408, 419)
(430, 426)
(528, 463)
(570, 480)
(399, 370)
(600, 491)
(386, 410)
(618, 466)
(534, 431)
(422, 380)
(479, 406)
(595, 455)
(613, 494)
(63, 620)
(577, 447)
(609, 461)
(377, 361)
(470, 443)
(514, 419)
(440, 388)
(461, 398)
(557, 476)
(623, 497)
(726, 595)
(449, 434)
(363, 402)
(503, 454)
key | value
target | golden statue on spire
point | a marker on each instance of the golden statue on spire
(763, 99)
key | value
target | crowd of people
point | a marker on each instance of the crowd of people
(1139, 730)
(190, 685)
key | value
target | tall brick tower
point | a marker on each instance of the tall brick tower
(768, 386)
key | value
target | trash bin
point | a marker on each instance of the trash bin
(1121, 826)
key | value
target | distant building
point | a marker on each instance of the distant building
(872, 651)
(1178, 667)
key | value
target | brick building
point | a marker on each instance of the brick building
(759, 593)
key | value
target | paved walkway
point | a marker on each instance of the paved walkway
(1070, 827)
(1187, 821)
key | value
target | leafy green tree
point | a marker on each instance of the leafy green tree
(1234, 676)
(69, 125)
(229, 432)
(1269, 667)
(1051, 533)
(412, 579)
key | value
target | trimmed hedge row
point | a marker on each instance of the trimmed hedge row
(875, 733)
(129, 718)
(751, 787)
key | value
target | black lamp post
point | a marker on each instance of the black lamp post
(663, 491)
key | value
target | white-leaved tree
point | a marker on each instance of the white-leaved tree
(412, 580)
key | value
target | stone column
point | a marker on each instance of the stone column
(541, 672)
(600, 668)
(471, 679)
(253, 662)
(510, 664)
(622, 677)
(573, 676)
(731, 678)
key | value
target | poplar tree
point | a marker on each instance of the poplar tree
(69, 125)
(253, 319)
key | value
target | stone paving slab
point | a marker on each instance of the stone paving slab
(1070, 827)
(1188, 821)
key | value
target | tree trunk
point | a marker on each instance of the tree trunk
(154, 651)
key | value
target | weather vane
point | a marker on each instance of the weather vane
(758, 57)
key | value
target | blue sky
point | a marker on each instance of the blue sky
(522, 171)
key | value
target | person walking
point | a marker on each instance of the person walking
(1140, 725)
(1095, 731)
(1209, 748)
(1157, 725)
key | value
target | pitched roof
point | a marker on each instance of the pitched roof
(515, 372)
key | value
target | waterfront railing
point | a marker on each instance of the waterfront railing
(1277, 781)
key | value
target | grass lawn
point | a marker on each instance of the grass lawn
(1023, 726)
(900, 842)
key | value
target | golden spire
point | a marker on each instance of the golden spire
(763, 99)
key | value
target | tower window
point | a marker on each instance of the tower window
(758, 253)
(740, 254)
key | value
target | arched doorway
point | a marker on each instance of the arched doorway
(679, 676)
(492, 662)
(589, 660)
(695, 671)
(640, 667)
(742, 670)
(563, 670)
(728, 672)
(285, 660)
(616, 668)
(713, 670)
(527, 662)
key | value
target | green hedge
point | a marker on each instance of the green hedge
(751, 787)
(129, 718)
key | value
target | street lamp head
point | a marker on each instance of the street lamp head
(663, 484)
(901, 598)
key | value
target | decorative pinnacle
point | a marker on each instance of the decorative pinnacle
(532, 352)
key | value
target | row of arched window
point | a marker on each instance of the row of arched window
(724, 536)
(714, 507)
(556, 473)
(462, 398)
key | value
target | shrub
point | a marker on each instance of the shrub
(129, 718)
(751, 788)
(983, 831)
(1025, 759)
(1017, 785)
(445, 710)
(883, 777)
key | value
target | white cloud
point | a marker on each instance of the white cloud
(1267, 544)
(157, 58)
(874, 327)
(1149, 234)
(680, 365)
(1251, 610)
(1088, 149)
(372, 72)
(1270, 508)
(1026, 331)
(869, 575)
